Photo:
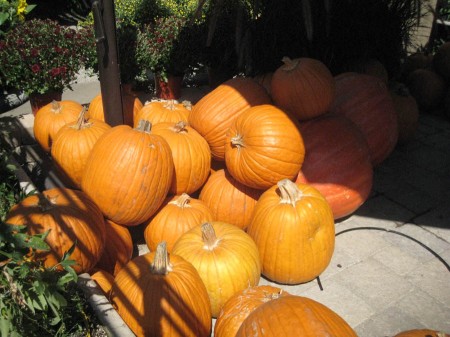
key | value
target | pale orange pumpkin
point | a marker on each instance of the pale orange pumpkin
(224, 255)
(52, 117)
(167, 111)
(293, 218)
(178, 215)
(128, 173)
(213, 113)
(190, 153)
(303, 86)
(73, 221)
(263, 145)
(73, 144)
(229, 200)
(161, 295)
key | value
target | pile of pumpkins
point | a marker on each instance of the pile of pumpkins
(248, 181)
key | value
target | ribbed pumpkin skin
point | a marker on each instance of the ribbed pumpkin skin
(295, 240)
(213, 113)
(190, 153)
(118, 250)
(294, 316)
(422, 333)
(104, 280)
(175, 304)
(128, 174)
(52, 117)
(71, 217)
(72, 146)
(179, 214)
(242, 304)
(228, 266)
(303, 86)
(263, 146)
(229, 200)
(366, 101)
(163, 111)
(337, 163)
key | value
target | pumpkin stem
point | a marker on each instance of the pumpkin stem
(179, 127)
(82, 122)
(56, 107)
(45, 203)
(187, 104)
(289, 64)
(170, 104)
(182, 201)
(268, 296)
(237, 141)
(290, 193)
(161, 264)
(209, 236)
(144, 126)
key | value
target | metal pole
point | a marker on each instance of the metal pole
(105, 35)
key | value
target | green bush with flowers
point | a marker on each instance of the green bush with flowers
(39, 56)
(12, 13)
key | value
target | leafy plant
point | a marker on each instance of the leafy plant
(12, 13)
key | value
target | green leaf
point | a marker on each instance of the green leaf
(29, 8)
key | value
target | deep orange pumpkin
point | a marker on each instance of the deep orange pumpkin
(303, 87)
(213, 113)
(167, 111)
(422, 333)
(337, 163)
(71, 217)
(104, 280)
(427, 87)
(128, 173)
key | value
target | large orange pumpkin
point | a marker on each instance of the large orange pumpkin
(73, 144)
(128, 173)
(263, 145)
(71, 219)
(213, 113)
(293, 228)
(103, 279)
(229, 200)
(167, 111)
(52, 117)
(303, 86)
(337, 163)
(366, 101)
(224, 255)
(294, 316)
(161, 295)
(422, 333)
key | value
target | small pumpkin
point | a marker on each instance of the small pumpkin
(167, 111)
(293, 218)
(224, 255)
(422, 333)
(427, 87)
(161, 295)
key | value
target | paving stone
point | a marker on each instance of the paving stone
(397, 260)
(437, 221)
(340, 261)
(410, 198)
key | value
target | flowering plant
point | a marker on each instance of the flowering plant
(38, 56)
(12, 12)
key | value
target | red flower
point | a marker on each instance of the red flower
(35, 68)
(34, 52)
(55, 72)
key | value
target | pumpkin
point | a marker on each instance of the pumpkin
(118, 251)
(417, 60)
(427, 87)
(178, 215)
(303, 87)
(265, 80)
(131, 104)
(242, 304)
(73, 144)
(52, 117)
(422, 333)
(169, 111)
(73, 221)
(441, 60)
(263, 146)
(366, 101)
(370, 66)
(120, 173)
(224, 255)
(337, 163)
(190, 153)
(213, 113)
(294, 316)
(229, 200)
(161, 295)
(104, 280)
(293, 228)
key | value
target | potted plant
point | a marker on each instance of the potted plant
(43, 58)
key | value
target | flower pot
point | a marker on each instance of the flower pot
(170, 89)
(37, 100)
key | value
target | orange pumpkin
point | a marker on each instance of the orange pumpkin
(71, 219)
(104, 280)
(190, 153)
(161, 295)
(168, 111)
(293, 218)
(120, 173)
(263, 146)
(213, 113)
(294, 316)
(422, 333)
(180, 214)
(427, 87)
(52, 117)
(303, 87)
(241, 305)
(229, 200)
(337, 163)
(441, 60)
(73, 144)
(224, 255)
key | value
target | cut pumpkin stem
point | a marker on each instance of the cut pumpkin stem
(161, 262)
(209, 236)
(290, 193)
